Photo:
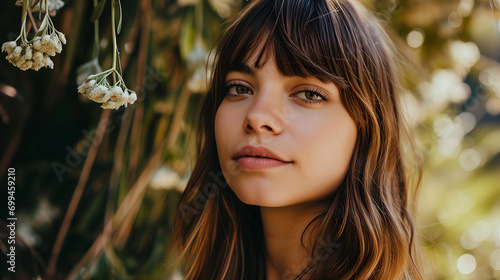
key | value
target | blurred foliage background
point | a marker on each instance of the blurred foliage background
(97, 189)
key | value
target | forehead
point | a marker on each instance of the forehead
(288, 63)
(254, 59)
(298, 36)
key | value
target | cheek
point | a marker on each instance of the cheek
(220, 129)
(225, 126)
(327, 148)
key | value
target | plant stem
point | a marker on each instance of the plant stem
(23, 22)
(95, 51)
(113, 34)
(33, 23)
(77, 193)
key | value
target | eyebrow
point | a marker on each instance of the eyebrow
(245, 69)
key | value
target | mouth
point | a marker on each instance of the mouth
(236, 158)
(258, 158)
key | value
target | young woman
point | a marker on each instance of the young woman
(300, 172)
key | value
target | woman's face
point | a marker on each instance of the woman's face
(281, 140)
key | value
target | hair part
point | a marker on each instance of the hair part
(368, 220)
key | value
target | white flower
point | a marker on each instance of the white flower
(34, 54)
(55, 42)
(97, 88)
(25, 65)
(37, 44)
(38, 57)
(116, 92)
(119, 98)
(132, 97)
(27, 53)
(45, 39)
(17, 51)
(110, 105)
(103, 98)
(62, 38)
(8, 46)
(24, 57)
(83, 88)
(48, 62)
(124, 97)
(97, 92)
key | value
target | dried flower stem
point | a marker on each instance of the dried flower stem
(113, 34)
(33, 22)
(22, 33)
(95, 50)
(77, 194)
(133, 197)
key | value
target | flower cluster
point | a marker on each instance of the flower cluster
(97, 88)
(35, 53)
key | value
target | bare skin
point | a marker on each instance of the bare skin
(284, 144)
(283, 228)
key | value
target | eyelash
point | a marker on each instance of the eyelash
(316, 91)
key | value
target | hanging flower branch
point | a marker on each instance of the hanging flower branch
(97, 87)
(35, 53)
(53, 6)
(106, 87)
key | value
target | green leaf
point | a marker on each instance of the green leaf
(118, 7)
(96, 13)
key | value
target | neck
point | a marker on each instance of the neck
(283, 228)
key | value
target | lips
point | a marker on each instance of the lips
(257, 152)
(257, 158)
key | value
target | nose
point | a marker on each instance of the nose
(265, 116)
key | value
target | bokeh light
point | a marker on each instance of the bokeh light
(415, 38)
(466, 264)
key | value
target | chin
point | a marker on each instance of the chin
(262, 199)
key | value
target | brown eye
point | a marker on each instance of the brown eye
(241, 89)
(310, 95)
(237, 89)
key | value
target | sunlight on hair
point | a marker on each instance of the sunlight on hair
(410, 108)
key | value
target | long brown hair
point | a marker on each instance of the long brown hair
(367, 232)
